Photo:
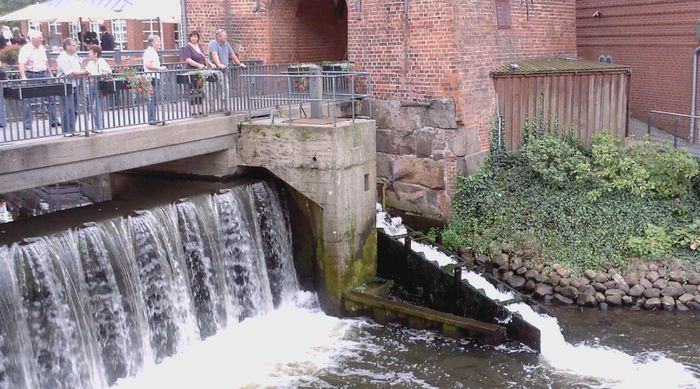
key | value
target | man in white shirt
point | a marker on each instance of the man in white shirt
(69, 65)
(151, 63)
(33, 63)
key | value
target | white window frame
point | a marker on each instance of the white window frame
(154, 28)
(73, 30)
(95, 27)
(119, 33)
(34, 25)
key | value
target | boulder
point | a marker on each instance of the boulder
(652, 293)
(533, 275)
(692, 289)
(623, 287)
(587, 289)
(627, 300)
(586, 300)
(631, 278)
(575, 284)
(686, 298)
(599, 287)
(565, 282)
(602, 278)
(675, 284)
(653, 266)
(645, 283)
(584, 281)
(636, 291)
(530, 285)
(668, 303)
(542, 290)
(680, 307)
(599, 297)
(694, 278)
(614, 292)
(559, 299)
(676, 265)
(481, 260)
(516, 282)
(677, 275)
(694, 306)
(590, 274)
(570, 292)
(507, 276)
(652, 304)
(603, 306)
(500, 260)
(660, 283)
(515, 263)
(672, 292)
(554, 279)
(643, 268)
(653, 276)
(564, 273)
(521, 270)
(611, 285)
(615, 299)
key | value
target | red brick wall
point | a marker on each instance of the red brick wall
(548, 30)
(656, 39)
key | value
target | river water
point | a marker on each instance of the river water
(203, 294)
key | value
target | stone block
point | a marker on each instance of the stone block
(384, 165)
(424, 143)
(425, 172)
(417, 199)
(441, 113)
(470, 164)
(396, 142)
(457, 143)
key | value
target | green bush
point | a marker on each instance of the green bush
(581, 207)
(9, 55)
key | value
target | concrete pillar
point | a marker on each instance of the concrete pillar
(335, 168)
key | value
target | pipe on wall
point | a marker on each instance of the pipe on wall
(693, 94)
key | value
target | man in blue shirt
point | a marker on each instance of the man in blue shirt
(221, 54)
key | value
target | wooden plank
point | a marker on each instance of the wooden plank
(576, 105)
(569, 116)
(516, 128)
(614, 90)
(622, 105)
(589, 113)
(472, 325)
(525, 106)
(561, 102)
(605, 102)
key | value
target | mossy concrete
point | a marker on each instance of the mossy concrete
(335, 169)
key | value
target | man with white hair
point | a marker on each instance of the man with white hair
(33, 63)
(70, 65)
(151, 63)
(221, 54)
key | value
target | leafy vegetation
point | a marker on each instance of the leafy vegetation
(560, 201)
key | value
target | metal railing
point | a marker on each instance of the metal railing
(289, 89)
(45, 107)
(677, 117)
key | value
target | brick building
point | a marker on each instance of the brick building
(128, 34)
(430, 62)
(655, 38)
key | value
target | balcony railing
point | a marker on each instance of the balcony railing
(45, 107)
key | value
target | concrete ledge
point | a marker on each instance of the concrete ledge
(43, 162)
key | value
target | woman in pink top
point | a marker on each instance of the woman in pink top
(194, 57)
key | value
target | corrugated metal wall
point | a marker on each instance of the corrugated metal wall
(587, 102)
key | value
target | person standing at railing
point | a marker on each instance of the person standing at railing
(17, 38)
(151, 63)
(3, 77)
(193, 56)
(33, 63)
(97, 66)
(69, 65)
(106, 39)
(222, 54)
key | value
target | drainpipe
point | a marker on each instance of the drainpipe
(693, 93)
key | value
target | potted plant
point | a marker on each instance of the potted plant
(112, 83)
(9, 55)
(140, 83)
(198, 77)
(344, 67)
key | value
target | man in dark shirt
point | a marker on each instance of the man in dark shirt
(107, 39)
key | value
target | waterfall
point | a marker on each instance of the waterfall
(87, 307)
(613, 367)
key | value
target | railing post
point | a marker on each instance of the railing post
(117, 55)
(316, 90)
(649, 121)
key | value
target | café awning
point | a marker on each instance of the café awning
(168, 11)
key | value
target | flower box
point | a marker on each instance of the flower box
(299, 69)
(34, 91)
(189, 78)
(112, 86)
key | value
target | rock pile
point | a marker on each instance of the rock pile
(644, 286)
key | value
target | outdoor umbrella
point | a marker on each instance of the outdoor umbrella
(35, 12)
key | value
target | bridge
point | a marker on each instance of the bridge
(302, 126)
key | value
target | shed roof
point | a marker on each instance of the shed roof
(531, 66)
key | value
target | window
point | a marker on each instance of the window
(95, 27)
(73, 29)
(178, 36)
(34, 25)
(119, 33)
(150, 27)
(503, 13)
(55, 28)
(605, 59)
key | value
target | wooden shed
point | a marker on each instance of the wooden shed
(588, 97)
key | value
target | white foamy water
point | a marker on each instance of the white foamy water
(272, 350)
(616, 368)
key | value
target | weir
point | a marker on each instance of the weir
(85, 307)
